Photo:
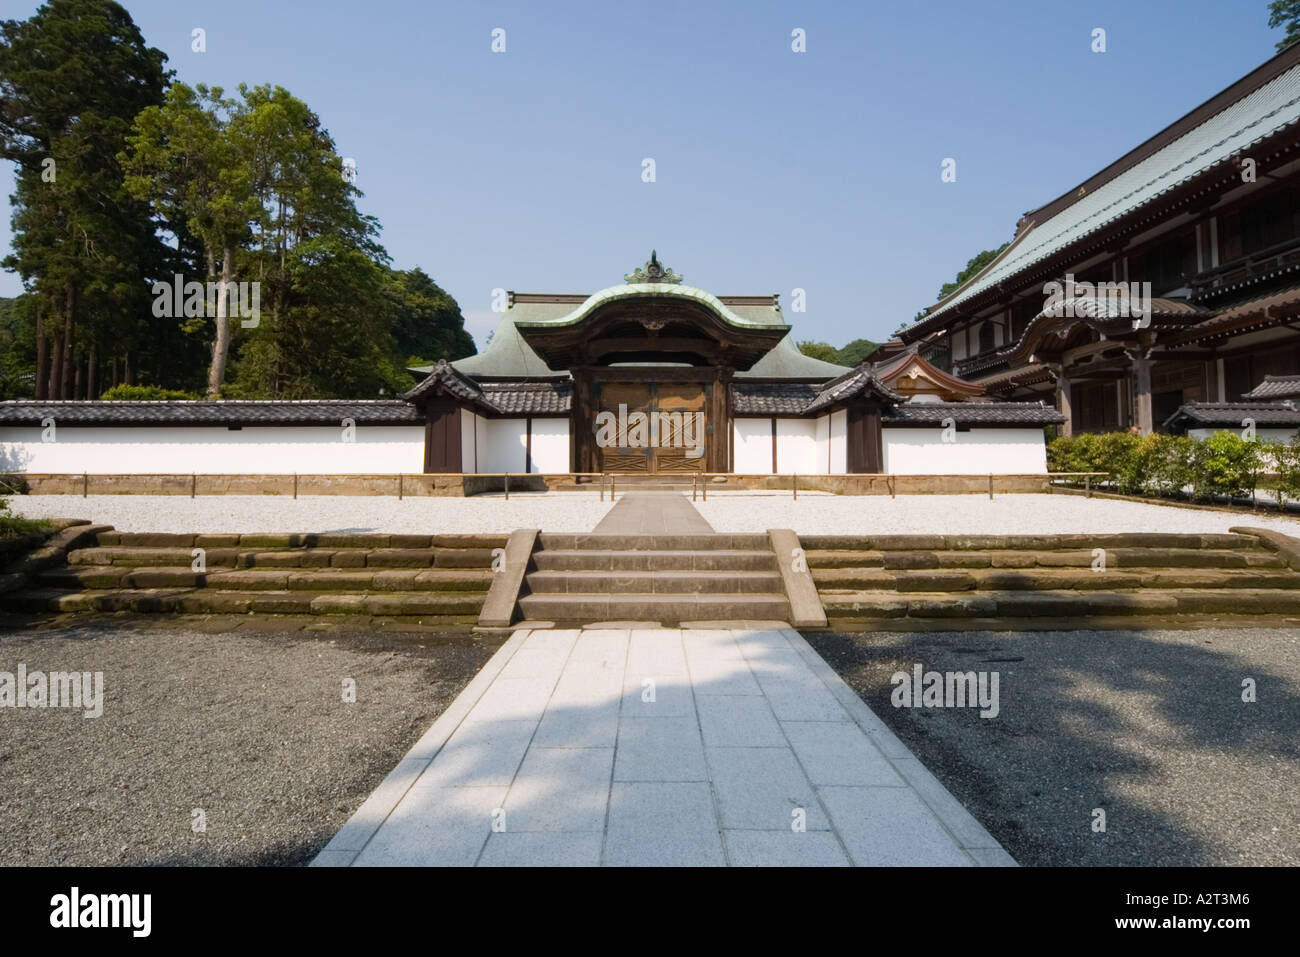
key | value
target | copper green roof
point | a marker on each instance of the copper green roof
(1220, 138)
(508, 356)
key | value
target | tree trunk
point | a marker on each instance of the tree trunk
(221, 344)
(42, 358)
(76, 382)
(92, 359)
(112, 372)
(128, 376)
(56, 368)
(69, 309)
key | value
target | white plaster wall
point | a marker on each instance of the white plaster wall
(550, 445)
(839, 440)
(796, 448)
(752, 440)
(501, 445)
(468, 440)
(977, 452)
(823, 435)
(214, 450)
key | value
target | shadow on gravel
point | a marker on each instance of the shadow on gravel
(1149, 727)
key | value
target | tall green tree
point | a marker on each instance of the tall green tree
(819, 350)
(72, 78)
(1285, 13)
(856, 351)
(427, 322)
(185, 159)
(973, 266)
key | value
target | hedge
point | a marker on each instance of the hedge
(1223, 466)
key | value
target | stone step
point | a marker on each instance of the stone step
(830, 580)
(663, 543)
(933, 543)
(274, 540)
(221, 557)
(82, 577)
(659, 581)
(665, 609)
(1055, 558)
(211, 601)
(561, 559)
(1049, 604)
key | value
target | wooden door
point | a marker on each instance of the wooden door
(676, 439)
(683, 424)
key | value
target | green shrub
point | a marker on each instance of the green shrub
(1287, 463)
(145, 393)
(1225, 464)
(1163, 465)
(1111, 452)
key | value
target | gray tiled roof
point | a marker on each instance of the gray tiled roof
(28, 412)
(530, 398)
(1232, 415)
(856, 381)
(547, 397)
(1275, 387)
(972, 413)
(444, 379)
(771, 399)
(1257, 115)
(801, 398)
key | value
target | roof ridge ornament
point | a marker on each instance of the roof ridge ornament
(652, 271)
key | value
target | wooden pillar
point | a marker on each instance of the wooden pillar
(718, 420)
(1142, 395)
(582, 420)
(442, 436)
(1063, 402)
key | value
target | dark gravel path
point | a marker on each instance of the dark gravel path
(248, 726)
(1149, 726)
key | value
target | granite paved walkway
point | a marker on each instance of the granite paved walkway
(628, 746)
(653, 513)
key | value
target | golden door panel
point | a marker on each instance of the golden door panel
(679, 432)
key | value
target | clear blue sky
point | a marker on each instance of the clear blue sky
(775, 170)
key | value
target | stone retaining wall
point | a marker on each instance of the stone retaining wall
(462, 485)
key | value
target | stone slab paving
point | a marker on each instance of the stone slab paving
(653, 513)
(627, 746)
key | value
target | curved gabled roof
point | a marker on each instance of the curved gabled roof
(508, 356)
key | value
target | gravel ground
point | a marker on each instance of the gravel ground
(1024, 514)
(555, 511)
(1148, 726)
(249, 727)
(581, 511)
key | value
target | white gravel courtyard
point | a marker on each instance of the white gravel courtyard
(581, 511)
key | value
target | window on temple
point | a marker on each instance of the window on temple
(1271, 220)
(1168, 265)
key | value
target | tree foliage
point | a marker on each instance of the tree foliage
(850, 355)
(154, 181)
(72, 78)
(973, 266)
(1285, 13)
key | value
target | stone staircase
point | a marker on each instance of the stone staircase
(884, 581)
(663, 578)
(440, 579)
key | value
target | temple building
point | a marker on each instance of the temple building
(1170, 278)
(685, 381)
(647, 376)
